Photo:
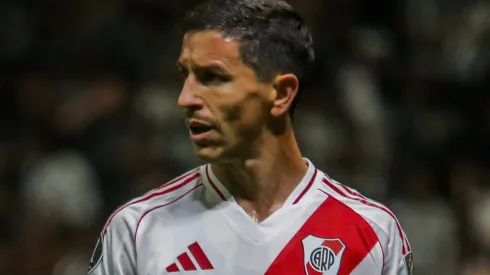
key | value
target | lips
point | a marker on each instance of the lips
(197, 127)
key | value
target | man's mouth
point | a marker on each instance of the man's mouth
(199, 129)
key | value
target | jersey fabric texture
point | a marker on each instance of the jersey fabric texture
(192, 225)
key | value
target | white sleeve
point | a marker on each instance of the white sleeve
(114, 253)
(398, 254)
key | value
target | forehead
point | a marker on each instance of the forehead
(204, 48)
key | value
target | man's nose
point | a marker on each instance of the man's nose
(188, 98)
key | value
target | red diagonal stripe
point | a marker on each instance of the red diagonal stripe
(406, 245)
(186, 262)
(368, 203)
(291, 259)
(200, 257)
(173, 268)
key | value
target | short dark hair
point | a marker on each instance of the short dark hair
(273, 37)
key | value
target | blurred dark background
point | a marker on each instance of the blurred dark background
(398, 108)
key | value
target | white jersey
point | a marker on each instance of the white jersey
(192, 225)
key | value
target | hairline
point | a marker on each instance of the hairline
(238, 38)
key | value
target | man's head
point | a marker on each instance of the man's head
(243, 61)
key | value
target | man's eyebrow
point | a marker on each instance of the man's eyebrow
(211, 67)
(215, 68)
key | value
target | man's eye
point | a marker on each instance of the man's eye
(209, 78)
(184, 72)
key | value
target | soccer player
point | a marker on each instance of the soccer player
(259, 206)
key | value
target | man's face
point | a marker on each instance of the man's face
(227, 107)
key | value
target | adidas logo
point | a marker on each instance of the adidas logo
(194, 259)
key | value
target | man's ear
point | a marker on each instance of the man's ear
(286, 87)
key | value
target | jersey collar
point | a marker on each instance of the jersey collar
(219, 191)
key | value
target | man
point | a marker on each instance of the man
(259, 207)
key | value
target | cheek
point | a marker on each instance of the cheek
(239, 111)
(245, 116)
(225, 103)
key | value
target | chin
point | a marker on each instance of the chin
(209, 154)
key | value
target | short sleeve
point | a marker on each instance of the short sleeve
(398, 253)
(114, 253)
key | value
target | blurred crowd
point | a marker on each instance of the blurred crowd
(398, 107)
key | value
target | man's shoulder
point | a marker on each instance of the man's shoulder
(129, 213)
(380, 218)
(378, 215)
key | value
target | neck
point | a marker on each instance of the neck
(261, 184)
